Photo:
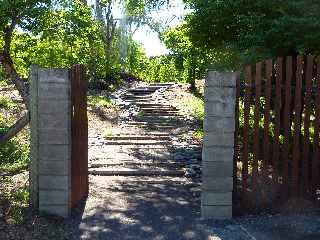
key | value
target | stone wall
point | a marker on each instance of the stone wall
(218, 146)
(50, 171)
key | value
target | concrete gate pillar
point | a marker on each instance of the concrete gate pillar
(50, 151)
(218, 145)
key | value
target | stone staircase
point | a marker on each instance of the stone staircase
(147, 142)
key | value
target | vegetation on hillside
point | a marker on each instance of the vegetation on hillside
(215, 34)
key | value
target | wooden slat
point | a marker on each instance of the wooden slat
(236, 136)
(297, 128)
(307, 104)
(277, 112)
(307, 107)
(79, 161)
(316, 156)
(248, 79)
(266, 140)
(256, 139)
(287, 124)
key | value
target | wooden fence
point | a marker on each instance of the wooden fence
(277, 133)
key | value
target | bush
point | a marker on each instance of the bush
(14, 154)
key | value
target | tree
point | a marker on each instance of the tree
(15, 14)
(256, 28)
(191, 60)
(50, 37)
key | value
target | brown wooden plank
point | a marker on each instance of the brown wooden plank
(316, 156)
(277, 123)
(79, 162)
(287, 123)
(236, 136)
(297, 128)
(266, 139)
(248, 79)
(307, 107)
(256, 138)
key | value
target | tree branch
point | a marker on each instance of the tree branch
(7, 63)
(11, 73)
(15, 128)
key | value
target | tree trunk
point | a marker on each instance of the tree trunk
(11, 73)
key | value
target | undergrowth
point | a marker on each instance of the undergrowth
(14, 158)
(99, 100)
(14, 200)
(195, 107)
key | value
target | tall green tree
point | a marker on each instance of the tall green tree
(24, 15)
(192, 61)
(256, 28)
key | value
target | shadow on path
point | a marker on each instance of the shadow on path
(132, 208)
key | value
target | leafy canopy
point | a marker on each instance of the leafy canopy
(256, 27)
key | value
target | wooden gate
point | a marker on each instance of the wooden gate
(277, 134)
(79, 128)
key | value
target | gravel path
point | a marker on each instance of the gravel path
(145, 181)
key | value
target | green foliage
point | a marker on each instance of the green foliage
(195, 105)
(24, 13)
(14, 154)
(108, 133)
(161, 69)
(66, 33)
(97, 100)
(141, 113)
(192, 61)
(250, 30)
(198, 134)
(7, 104)
(17, 197)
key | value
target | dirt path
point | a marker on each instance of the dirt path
(145, 182)
(144, 174)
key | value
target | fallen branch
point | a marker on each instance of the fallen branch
(15, 128)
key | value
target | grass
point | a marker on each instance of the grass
(198, 134)
(14, 158)
(141, 114)
(7, 104)
(108, 133)
(14, 154)
(99, 100)
(194, 105)
(14, 199)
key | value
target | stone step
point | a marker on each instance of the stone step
(135, 142)
(157, 109)
(130, 163)
(136, 102)
(152, 134)
(161, 123)
(161, 115)
(155, 126)
(160, 111)
(154, 105)
(141, 92)
(153, 87)
(140, 137)
(138, 172)
(158, 118)
(136, 97)
(144, 88)
(160, 147)
(161, 84)
(141, 153)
